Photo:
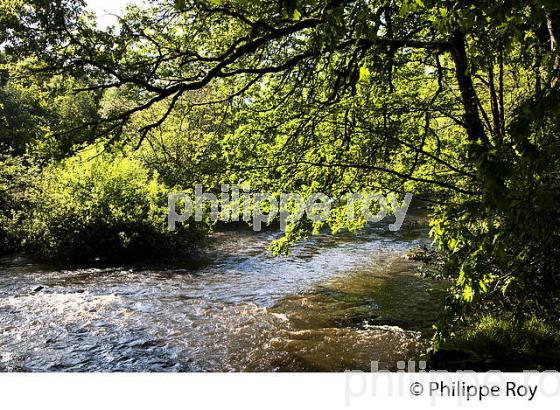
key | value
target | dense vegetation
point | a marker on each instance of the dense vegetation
(455, 101)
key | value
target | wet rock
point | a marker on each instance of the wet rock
(421, 254)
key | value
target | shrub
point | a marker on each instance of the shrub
(14, 177)
(93, 207)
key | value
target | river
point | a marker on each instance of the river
(336, 303)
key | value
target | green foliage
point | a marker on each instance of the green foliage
(455, 101)
(499, 343)
(45, 118)
(188, 148)
(103, 207)
(15, 179)
(37, 26)
(503, 256)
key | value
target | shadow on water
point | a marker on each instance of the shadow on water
(336, 303)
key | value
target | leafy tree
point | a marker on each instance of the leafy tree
(456, 100)
(45, 117)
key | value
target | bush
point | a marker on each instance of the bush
(14, 177)
(94, 207)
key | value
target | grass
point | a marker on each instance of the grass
(498, 344)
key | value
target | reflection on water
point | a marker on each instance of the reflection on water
(336, 303)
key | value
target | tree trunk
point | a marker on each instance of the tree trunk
(473, 123)
(553, 23)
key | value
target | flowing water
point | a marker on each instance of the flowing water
(336, 303)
